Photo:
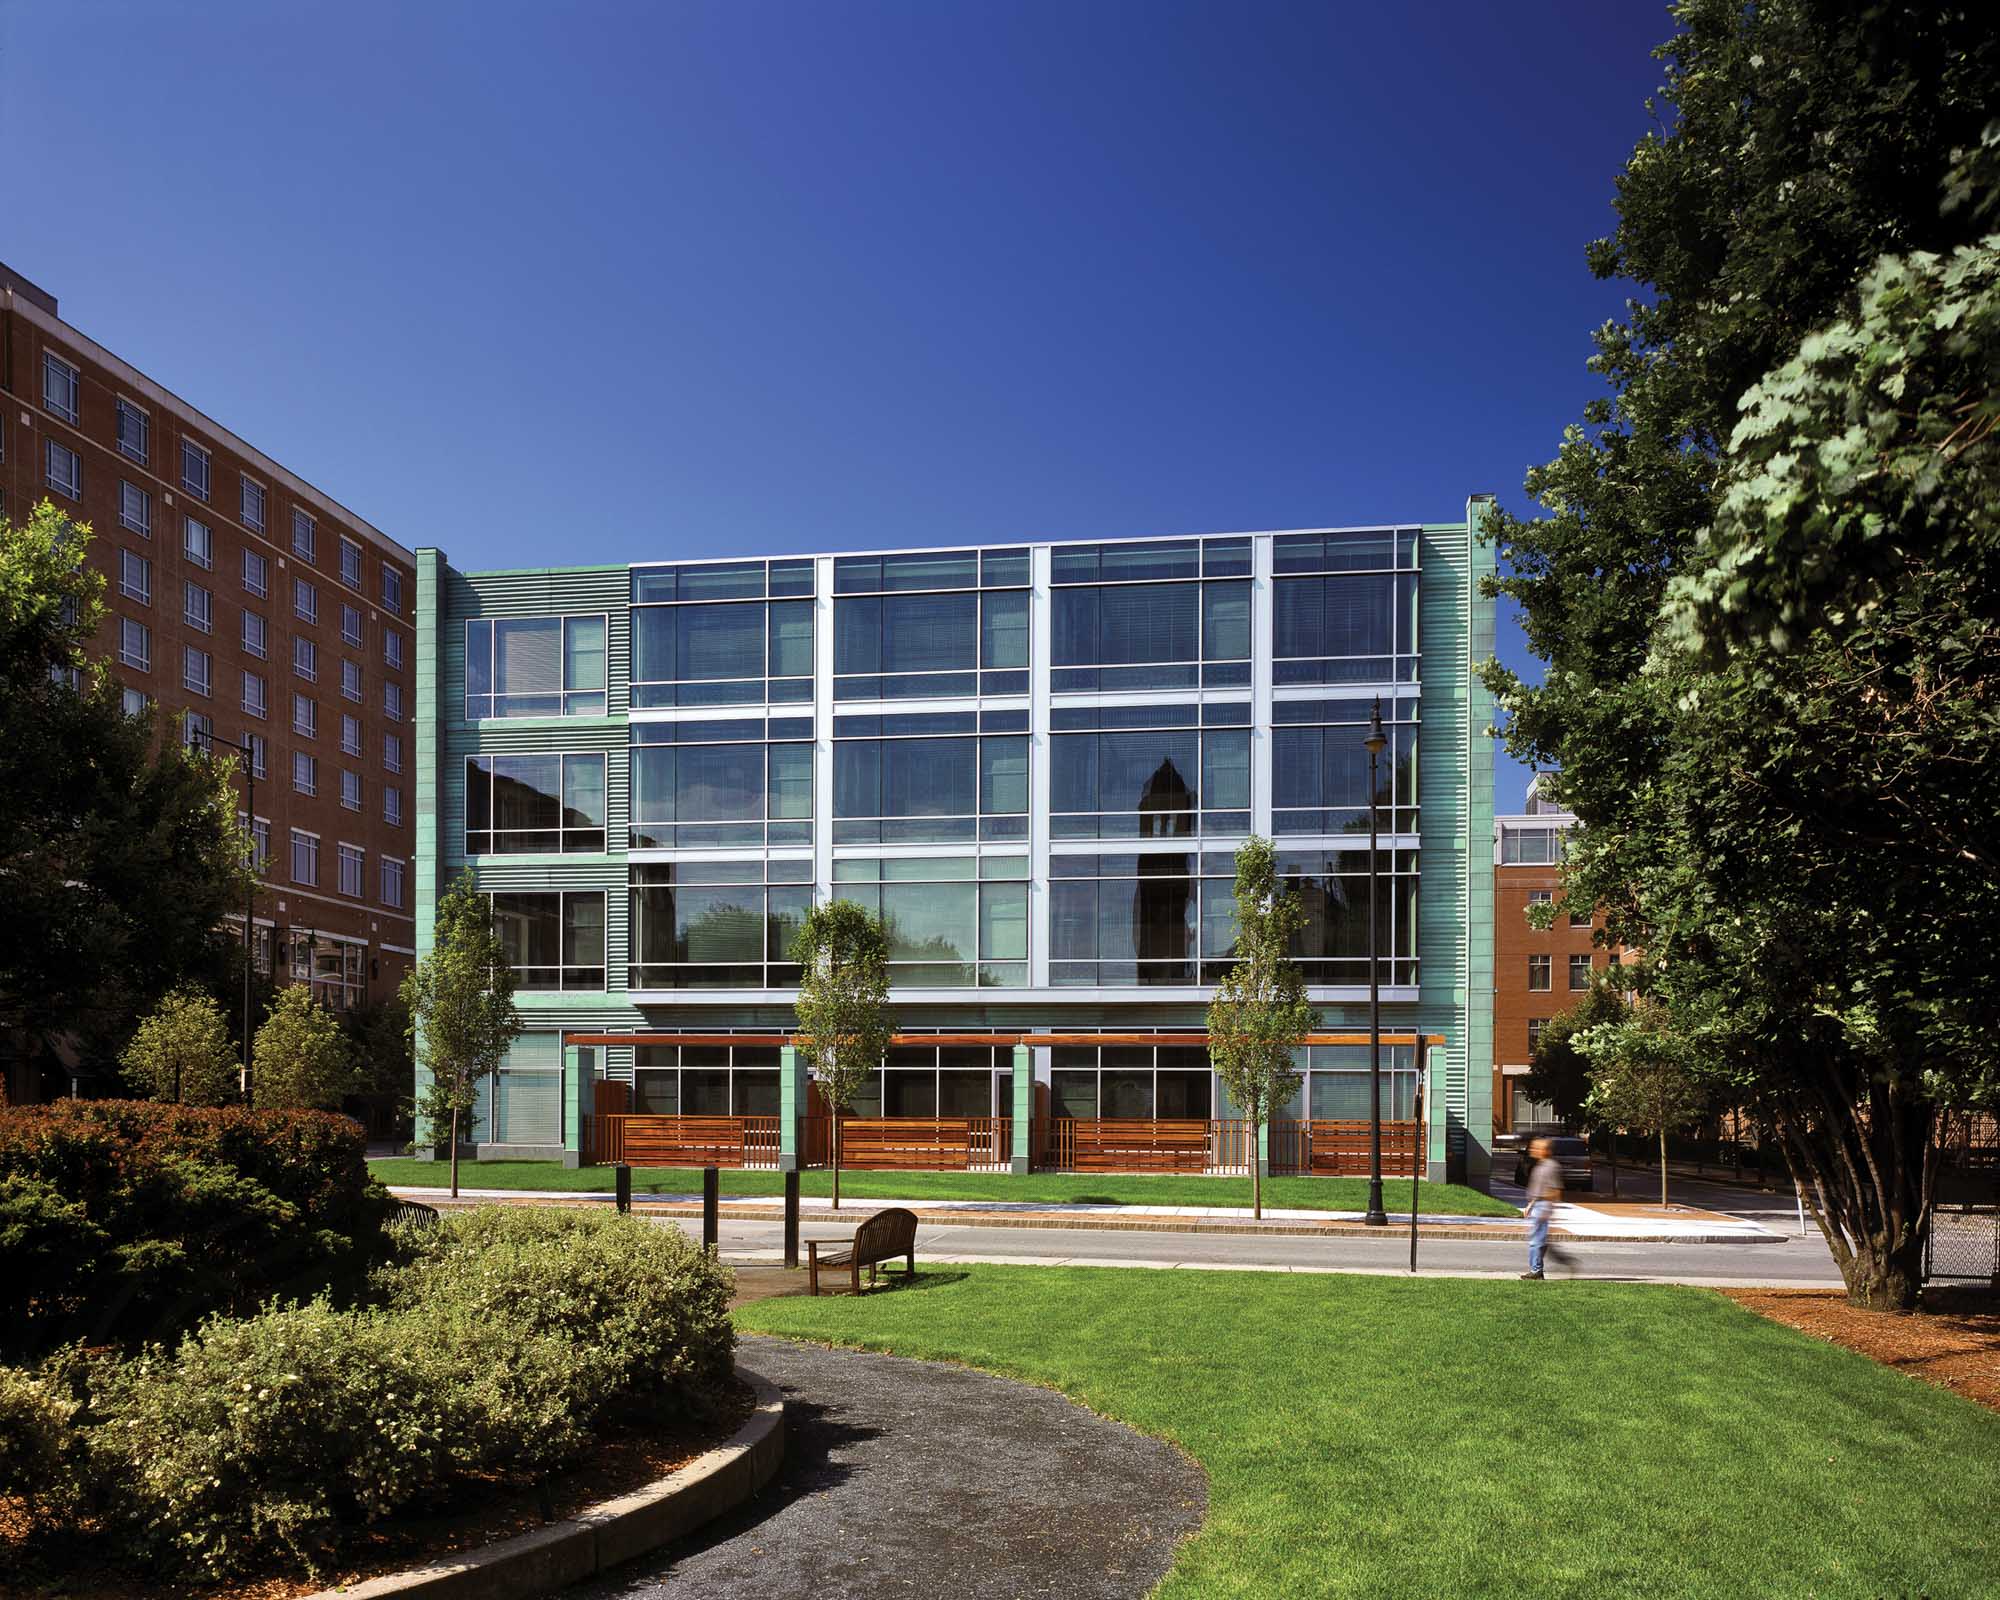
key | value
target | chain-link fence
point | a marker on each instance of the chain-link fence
(1964, 1246)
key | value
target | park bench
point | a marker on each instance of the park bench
(684, 1141)
(1141, 1145)
(883, 1237)
(942, 1143)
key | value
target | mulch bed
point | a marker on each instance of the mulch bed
(619, 1463)
(1954, 1342)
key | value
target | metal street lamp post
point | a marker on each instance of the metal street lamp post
(1376, 1217)
(250, 895)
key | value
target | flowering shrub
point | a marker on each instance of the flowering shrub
(128, 1219)
(502, 1340)
(43, 1463)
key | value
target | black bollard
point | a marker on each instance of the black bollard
(791, 1219)
(711, 1208)
(624, 1177)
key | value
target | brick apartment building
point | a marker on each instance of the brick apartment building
(251, 607)
(1537, 973)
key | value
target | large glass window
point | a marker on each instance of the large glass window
(1149, 772)
(516, 805)
(1155, 614)
(534, 667)
(553, 940)
(1531, 847)
(1333, 1084)
(1332, 886)
(725, 633)
(952, 922)
(1319, 767)
(1355, 619)
(734, 781)
(934, 623)
(1155, 918)
(930, 777)
(1143, 1080)
(705, 1080)
(940, 1081)
(718, 924)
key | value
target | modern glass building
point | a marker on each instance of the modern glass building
(1034, 762)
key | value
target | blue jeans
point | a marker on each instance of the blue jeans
(1538, 1233)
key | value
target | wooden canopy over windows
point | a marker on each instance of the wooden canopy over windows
(1072, 1037)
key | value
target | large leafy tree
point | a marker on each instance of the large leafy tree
(181, 1052)
(843, 1005)
(302, 1062)
(1559, 1074)
(1260, 1016)
(120, 851)
(460, 999)
(1776, 765)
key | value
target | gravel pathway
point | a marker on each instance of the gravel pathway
(911, 1478)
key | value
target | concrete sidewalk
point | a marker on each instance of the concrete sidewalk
(1634, 1224)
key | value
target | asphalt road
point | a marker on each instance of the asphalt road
(1795, 1261)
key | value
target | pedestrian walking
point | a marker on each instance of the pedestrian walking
(1545, 1188)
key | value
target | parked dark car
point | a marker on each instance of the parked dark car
(1571, 1155)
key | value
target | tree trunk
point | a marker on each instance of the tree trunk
(454, 1152)
(1663, 1169)
(1256, 1178)
(1614, 1163)
(1885, 1276)
(836, 1160)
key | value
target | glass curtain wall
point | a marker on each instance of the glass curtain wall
(535, 667)
(943, 623)
(705, 1080)
(1157, 918)
(940, 1081)
(1332, 887)
(952, 921)
(552, 939)
(1319, 767)
(717, 924)
(540, 804)
(1149, 772)
(1334, 1084)
(739, 781)
(930, 777)
(1345, 607)
(1167, 1081)
(1159, 614)
(723, 633)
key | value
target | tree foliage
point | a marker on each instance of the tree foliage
(843, 1004)
(302, 1061)
(460, 998)
(181, 1052)
(1762, 585)
(1559, 1075)
(119, 850)
(1259, 1016)
(1643, 1075)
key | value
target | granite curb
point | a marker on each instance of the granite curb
(1501, 1230)
(609, 1532)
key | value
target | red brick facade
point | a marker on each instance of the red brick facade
(352, 657)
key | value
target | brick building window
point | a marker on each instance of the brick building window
(350, 624)
(256, 573)
(305, 600)
(305, 534)
(135, 509)
(351, 863)
(135, 432)
(1580, 919)
(305, 858)
(1541, 975)
(194, 469)
(198, 544)
(63, 469)
(390, 872)
(392, 590)
(135, 577)
(254, 636)
(392, 807)
(197, 670)
(135, 645)
(350, 562)
(253, 505)
(350, 734)
(350, 680)
(197, 607)
(61, 389)
(392, 701)
(1536, 1025)
(350, 792)
(260, 753)
(305, 772)
(1579, 972)
(305, 715)
(392, 752)
(305, 658)
(256, 694)
(392, 648)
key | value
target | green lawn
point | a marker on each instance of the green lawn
(1370, 1436)
(1316, 1194)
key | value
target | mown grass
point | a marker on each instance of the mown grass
(1314, 1194)
(1369, 1436)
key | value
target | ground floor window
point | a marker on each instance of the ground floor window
(706, 1080)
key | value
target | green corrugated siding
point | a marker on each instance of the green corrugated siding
(1455, 920)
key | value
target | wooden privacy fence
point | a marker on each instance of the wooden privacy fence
(681, 1141)
(1216, 1145)
(913, 1144)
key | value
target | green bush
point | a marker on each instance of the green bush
(43, 1460)
(641, 1308)
(503, 1341)
(125, 1219)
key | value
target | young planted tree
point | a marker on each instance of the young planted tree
(1260, 1015)
(843, 1006)
(181, 1052)
(302, 1062)
(1642, 1077)
(462, 1017)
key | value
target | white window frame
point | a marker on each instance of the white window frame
(204, 557)
(350, 548)
(142, 592)
(69, 408)
(202, 681)
(347, 855)
(350, 734)
(392, 805)
(247, 487)
(259, 704)
(127, 408)
(308, 725)
(353, 635)
(260, 647)
(135, 509)
(392, 752)
(262, 587)
(383, 878)
(197, 606)
(311, 842)
(305, 765)
(305, 658)
(349, 778)
(195, 456)
(308, 590)
(56, 454)
(141, 659)
(350, 669)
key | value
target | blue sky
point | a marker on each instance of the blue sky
(599, 282)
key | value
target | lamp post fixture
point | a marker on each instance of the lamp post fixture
(1376, 1217)
(244, 749)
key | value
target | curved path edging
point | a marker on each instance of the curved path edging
(578, 1547)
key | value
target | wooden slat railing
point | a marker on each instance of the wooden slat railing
(1216, 1145)
(913, 1144)
(644, 1140)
